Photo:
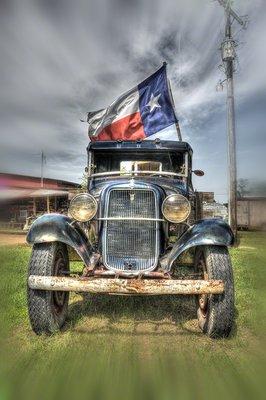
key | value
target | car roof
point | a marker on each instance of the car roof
(146, 145)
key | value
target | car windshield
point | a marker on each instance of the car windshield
(140, 162)
(133, 166)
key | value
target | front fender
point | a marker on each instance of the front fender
(58, 227)
(202, 233)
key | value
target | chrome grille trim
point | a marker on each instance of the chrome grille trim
(135, 225)
(130, 219)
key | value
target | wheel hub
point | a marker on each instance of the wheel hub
(203, 299)
(59, 297)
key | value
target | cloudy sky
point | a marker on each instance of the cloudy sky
(60, 59)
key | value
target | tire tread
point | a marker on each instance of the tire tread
(220, 318)
(40, 313)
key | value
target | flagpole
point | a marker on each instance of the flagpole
(178, 130)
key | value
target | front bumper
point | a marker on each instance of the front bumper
(126, 286)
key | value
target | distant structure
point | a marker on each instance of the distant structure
(23, 197)
(215, 210)
(251, 210)
(212, 209)
(251, 213)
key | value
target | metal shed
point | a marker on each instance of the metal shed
(251, 213)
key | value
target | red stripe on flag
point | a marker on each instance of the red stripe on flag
(127, 128)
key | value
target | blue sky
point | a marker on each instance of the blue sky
(60, 59)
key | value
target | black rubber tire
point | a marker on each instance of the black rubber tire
(216, 319)
(47, 310)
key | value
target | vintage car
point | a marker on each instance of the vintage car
(138, 231)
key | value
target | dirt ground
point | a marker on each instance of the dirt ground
(11, 239)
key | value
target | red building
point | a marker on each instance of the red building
(23, 197)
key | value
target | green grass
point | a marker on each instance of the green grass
(131, 347)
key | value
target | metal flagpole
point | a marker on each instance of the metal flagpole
(177, 123)
(173, 103)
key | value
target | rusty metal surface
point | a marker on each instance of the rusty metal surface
(147, 274)
(126, 286)
(94, 259)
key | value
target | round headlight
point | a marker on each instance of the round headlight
(176, 208)
(83, 207)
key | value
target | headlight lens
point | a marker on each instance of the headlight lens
(176, 208)
(83, 207)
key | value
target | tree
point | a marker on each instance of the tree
(84, 183)
(247, 188)
(243, 187)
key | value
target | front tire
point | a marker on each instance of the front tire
(215, 312)
(48, 309)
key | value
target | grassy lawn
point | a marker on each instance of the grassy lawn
(130, 347)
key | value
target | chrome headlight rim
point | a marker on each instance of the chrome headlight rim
(188, 212)
(89, 197)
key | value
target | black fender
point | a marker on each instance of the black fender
(202, 233)
(58, 227)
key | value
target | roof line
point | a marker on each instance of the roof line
(38, 177)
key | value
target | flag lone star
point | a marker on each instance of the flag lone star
(142, 111)
(154, 102)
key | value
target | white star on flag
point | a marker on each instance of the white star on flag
(153, 103)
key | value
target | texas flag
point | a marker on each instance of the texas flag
(145, 110)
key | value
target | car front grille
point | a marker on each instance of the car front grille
(131, 230)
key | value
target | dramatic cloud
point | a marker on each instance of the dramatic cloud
(60, 59)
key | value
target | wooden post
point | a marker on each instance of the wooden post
(34, 206)
(48, 204)
(228, 58)
(232, 198)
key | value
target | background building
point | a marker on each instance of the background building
(24, 197)
(212, 209)
(251, 212)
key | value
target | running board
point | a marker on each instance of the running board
(126, 286)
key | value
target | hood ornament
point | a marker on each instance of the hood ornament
(132, 183)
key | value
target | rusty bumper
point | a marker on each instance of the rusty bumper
(126, 286)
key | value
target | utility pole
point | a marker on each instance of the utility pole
(228, 53)
(43, 160)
